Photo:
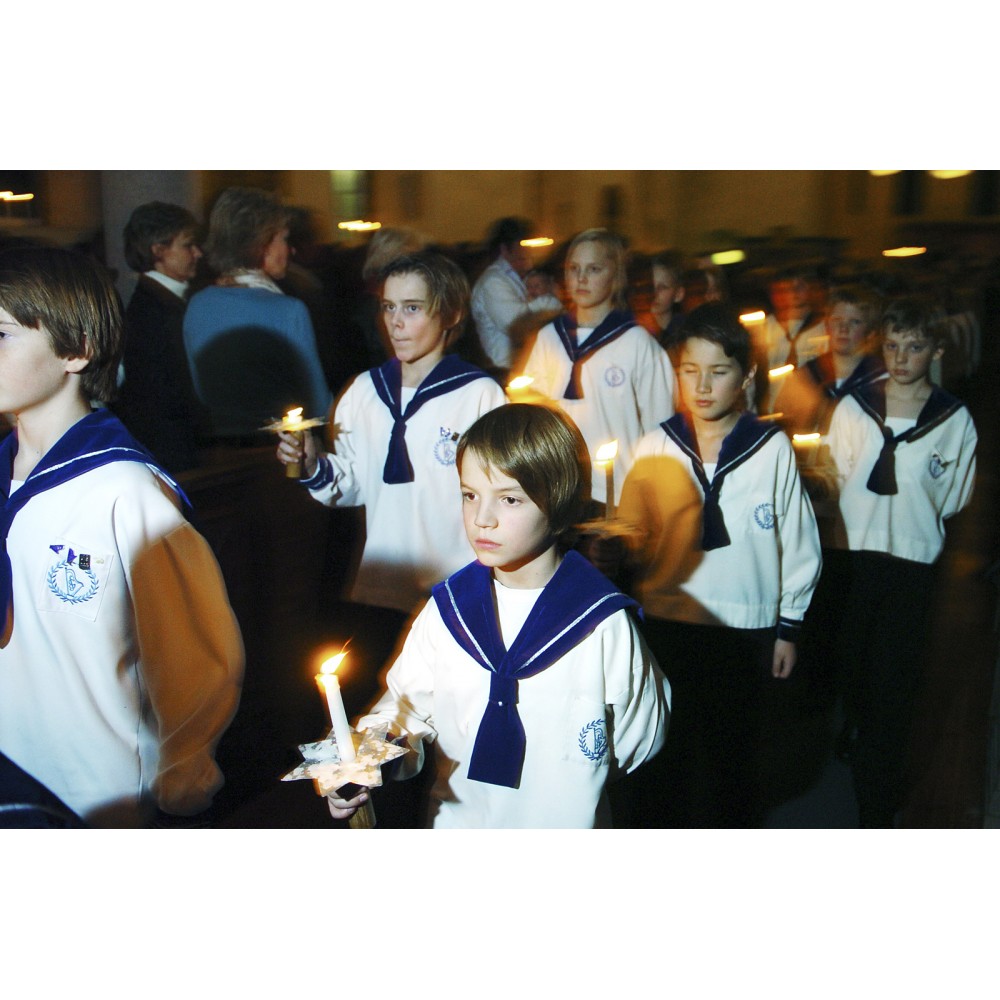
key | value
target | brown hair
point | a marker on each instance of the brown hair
(542, 450)
(242, 224)
(72, 298)
(447, 287)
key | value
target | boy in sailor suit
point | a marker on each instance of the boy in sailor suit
(525, 669)
(121, 660)
(394, 435)
(905, 452)
(725, 544)
(609, 376)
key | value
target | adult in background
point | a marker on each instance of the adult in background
(500, 298)
(251, 348)
(156, 400)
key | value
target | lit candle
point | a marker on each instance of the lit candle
(517, 388)
(327, 680)
(605, 455)
(292, 422)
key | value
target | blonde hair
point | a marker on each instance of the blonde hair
(614, 247)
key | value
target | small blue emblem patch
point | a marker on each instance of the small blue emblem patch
(937, 466)
(444, 449)
(72, 584)
(593, 740)
(614, 376)
(763, 514)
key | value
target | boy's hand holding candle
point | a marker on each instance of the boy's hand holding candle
(296, 448)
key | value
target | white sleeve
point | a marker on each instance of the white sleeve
(408, 703)
(843, 438)
(964, 477)
(656, 384)
(501, 302)
(335, 482)
(638, 693)
(798, 544)
(190, 650)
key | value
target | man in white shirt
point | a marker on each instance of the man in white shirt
(500, 298)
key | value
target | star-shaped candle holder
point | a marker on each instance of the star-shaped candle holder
(321, 762)
(293, 423)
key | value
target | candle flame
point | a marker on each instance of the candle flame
(521, 382)
(293, 415)
(807, 438)
(753, 317)
(606, 452)
(330, 666)
(781, 370)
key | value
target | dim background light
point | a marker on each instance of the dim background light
(728, 257)
(904, 252)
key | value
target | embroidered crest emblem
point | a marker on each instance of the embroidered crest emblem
(614, 376)
(72, 584)
(444, 449)
(593, 740)
(936, 466)
(763, 514)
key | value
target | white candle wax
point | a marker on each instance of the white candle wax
(338, 717)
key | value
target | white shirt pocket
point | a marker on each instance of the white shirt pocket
(75, 580)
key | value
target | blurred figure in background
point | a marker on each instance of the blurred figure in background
(157, 401)
(668, 294)
(792, 333)
(704, 282)
(251, 348)
(500, 297)
(808, 398)
(597, 364)
(810, 393)
(905, 452)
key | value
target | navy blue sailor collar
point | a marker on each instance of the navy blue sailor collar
(746, 438)
(868, 369)
(572, 604)
(610, 328)
(95, 440)
(450, 373)
(939, 406)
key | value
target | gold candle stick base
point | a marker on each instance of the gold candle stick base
(294, 469)
(364, 818)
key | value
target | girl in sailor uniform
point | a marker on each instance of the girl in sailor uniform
(395, 430)
(905, 452)
(609, 376)
(525, 670)
(725, 544)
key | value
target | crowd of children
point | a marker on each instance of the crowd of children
(525, 678)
